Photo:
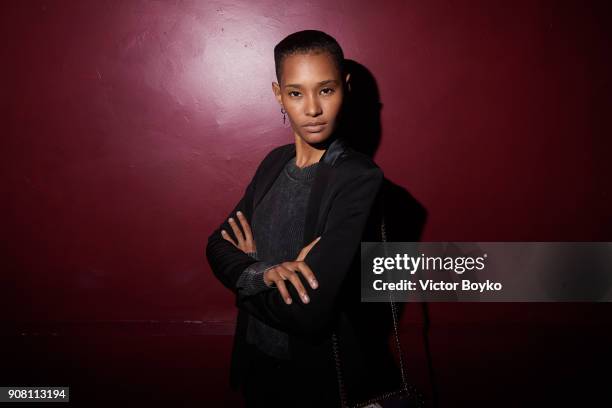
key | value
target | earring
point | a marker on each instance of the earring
(283, 111)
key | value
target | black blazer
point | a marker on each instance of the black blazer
(341, 199)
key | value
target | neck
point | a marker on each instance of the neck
(307, 154)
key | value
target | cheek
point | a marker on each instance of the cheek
(292, 108)
(332, 106)
(336, 99)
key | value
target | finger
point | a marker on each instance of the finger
(280, 284)
(307, 249)
(287, 269)
(268, 277)
(248, 234)
(237, 232)
(305, 270)
(227, 237)
(285, 272)
(297, 283)
(271, 275)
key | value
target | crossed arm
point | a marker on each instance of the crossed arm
(262, 274)
(328, 260)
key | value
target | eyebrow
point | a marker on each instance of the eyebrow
(327, 81)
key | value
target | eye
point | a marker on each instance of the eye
(293, 92)
(329, 91)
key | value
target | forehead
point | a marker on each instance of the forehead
(309, 68)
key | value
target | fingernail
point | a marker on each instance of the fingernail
(239, 213)
(305, 297)
(314, 284)
(288, 301)
(231, 219)
(222, 232)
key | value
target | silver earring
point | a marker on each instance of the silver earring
(283, 111)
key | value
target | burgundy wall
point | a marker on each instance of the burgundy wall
(131, 128)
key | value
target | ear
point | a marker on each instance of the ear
(347, 81)
(277, 93)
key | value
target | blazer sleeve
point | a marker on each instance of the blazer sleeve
(330, 260)
(226, 261)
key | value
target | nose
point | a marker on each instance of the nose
(313, 107)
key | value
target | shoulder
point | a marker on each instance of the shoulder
(278, 152)
(351, 164)
(354, 164)
(273, 156)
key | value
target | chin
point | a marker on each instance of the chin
(315, 138)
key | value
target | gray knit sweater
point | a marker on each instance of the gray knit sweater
(278, 231)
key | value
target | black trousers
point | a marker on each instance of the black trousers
(271, 382)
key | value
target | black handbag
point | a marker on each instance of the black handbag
(404, 396)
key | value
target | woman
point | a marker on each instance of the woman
(289, 245)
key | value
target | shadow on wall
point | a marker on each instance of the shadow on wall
(404, 216)
(362, 129)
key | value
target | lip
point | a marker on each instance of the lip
(315, 127)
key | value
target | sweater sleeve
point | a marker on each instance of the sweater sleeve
(251, 280)
(330, 259)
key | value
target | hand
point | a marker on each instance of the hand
(278, 274)
(246, 243)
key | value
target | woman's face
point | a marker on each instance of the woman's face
(311, 92)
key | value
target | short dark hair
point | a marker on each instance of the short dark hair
(303, 42)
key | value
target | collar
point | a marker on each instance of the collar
(332, 156)
(336, 150)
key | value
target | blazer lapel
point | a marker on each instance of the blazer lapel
(319, 187)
